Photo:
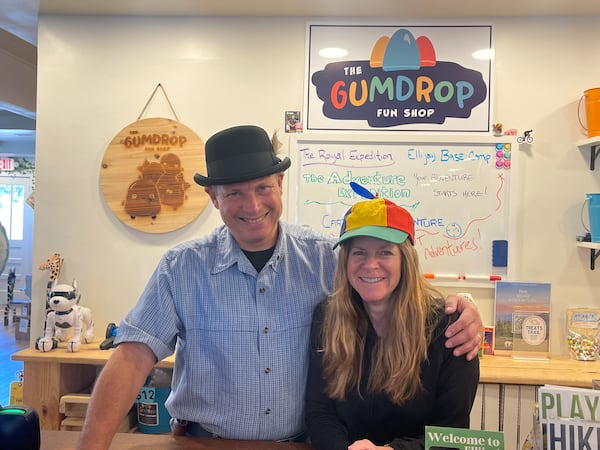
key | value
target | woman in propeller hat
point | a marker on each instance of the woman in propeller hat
(379, 370)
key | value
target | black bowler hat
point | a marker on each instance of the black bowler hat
(240, 154)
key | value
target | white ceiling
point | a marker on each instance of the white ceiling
(327, 8)
(20, 17)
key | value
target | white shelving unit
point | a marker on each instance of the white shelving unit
(594, 251)
(593, 146)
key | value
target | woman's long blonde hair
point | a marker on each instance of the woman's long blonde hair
(397, 356)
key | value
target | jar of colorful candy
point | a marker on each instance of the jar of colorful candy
(583, 333)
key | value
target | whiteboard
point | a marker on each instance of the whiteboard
(457, 188)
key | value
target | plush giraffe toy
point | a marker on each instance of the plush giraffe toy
(52, 265)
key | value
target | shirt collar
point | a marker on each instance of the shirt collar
(230, 253)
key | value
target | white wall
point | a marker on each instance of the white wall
(96, 74)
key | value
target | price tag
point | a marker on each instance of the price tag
(16, 390)
(16, 393)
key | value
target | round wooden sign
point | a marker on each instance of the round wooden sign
(147, 175)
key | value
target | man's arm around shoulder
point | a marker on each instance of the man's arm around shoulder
(464, 335)
(114, 393)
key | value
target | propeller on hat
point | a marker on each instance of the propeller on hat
(362, 191)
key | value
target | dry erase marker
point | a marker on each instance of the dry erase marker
(461, 276)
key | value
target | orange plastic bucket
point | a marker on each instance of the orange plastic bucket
(592, 111)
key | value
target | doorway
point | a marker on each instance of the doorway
(16, 216)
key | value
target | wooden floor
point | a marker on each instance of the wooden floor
(8, 369)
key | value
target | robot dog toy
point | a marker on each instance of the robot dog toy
(65, 315)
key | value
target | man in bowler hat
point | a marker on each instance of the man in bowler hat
(235, 307)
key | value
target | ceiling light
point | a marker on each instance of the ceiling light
(333, 52)
(484, 53)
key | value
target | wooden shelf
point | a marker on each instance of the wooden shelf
(562, 371)
(53, 374)
(594, 251)
(593, 145)
(89, 354)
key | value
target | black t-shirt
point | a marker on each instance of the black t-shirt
(260, 258)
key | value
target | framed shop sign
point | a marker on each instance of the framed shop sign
(398, 78)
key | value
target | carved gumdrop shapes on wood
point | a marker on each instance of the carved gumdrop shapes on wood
(160, 183)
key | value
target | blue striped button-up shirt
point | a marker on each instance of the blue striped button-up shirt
(240, 337)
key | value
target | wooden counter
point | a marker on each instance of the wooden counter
(89, 354)
(48, 376)
(66, 440)
(561, 371)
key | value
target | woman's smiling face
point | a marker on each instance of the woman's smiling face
(374, 268)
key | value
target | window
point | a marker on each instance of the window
(12, 204)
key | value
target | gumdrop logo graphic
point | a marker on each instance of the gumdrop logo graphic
(403, 52)
(403, 82)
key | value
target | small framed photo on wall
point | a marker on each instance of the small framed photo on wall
(293, 122)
